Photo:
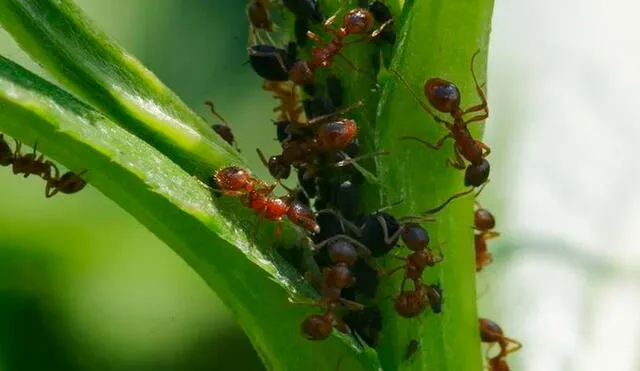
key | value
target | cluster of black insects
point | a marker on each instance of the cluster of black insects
(322, 149)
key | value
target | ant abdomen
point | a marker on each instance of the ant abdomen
(415, 236)
(483, 220)
(317, 326)
(302, 216)
(337, 135)
(342, 252)
(442, 94)
(477, 174)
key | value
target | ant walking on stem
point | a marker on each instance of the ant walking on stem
(444, 96)
(223, 130)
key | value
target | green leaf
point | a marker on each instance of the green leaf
(60, 37)
(180, 211)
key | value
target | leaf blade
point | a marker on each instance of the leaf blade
(178, 209)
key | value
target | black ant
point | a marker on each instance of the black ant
(223, 130)
(68, 183)
(444, 96)
(31, 163)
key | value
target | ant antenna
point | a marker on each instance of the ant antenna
(439, 208)
(212, 108)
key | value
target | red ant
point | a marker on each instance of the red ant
(483, 223)
(330, 136)
(417, 240)
(343, 255)
(254, 193)
(354, 22)
(410, 304)
(491, 333)
(223, 130)
(444, 96)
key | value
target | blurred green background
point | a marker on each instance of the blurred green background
(82, 285)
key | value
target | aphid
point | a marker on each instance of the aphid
(259, 19)
(483, 223)
(367, 324)
(491, 333)
(6, 154)
(68, 183)
(305, 9)
(355, 22)
(381, 13)
(31, 163)
(444, 96)
(412, 348)
(223, 130)
(272, 63)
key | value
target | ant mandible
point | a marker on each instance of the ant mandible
(444, 96)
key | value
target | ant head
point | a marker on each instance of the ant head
(483, 220)
(358, 21)
(434, 294)
(278, 168)
(224, 132)
(301, 73)
(337, 135)
(302, 216)
(233, 178)
(317, 327)
(71, 183)
(343, 251)
(442, 94)
(490, 332)
(477, 174)
(415, 236)
(411, 303)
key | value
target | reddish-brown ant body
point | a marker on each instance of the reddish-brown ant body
(355, 22)
(483, 223)
(491, 333)
(410, 304)
(335, 278)
(444, 96)
(254, 193)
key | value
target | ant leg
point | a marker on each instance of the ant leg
(351, 305)
(481, 117)
(321, 119)
(483, 98)
(365, 250)
(442, 206)
(436, 146)
(350, 160)
(490, 234)
(51, 187)
(343, 222)
(457, 161)
(486, 148)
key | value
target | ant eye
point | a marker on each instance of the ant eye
(443, 95)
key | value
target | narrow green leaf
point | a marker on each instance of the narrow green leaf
(60, 37)
(180, 211)
(437, 39)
